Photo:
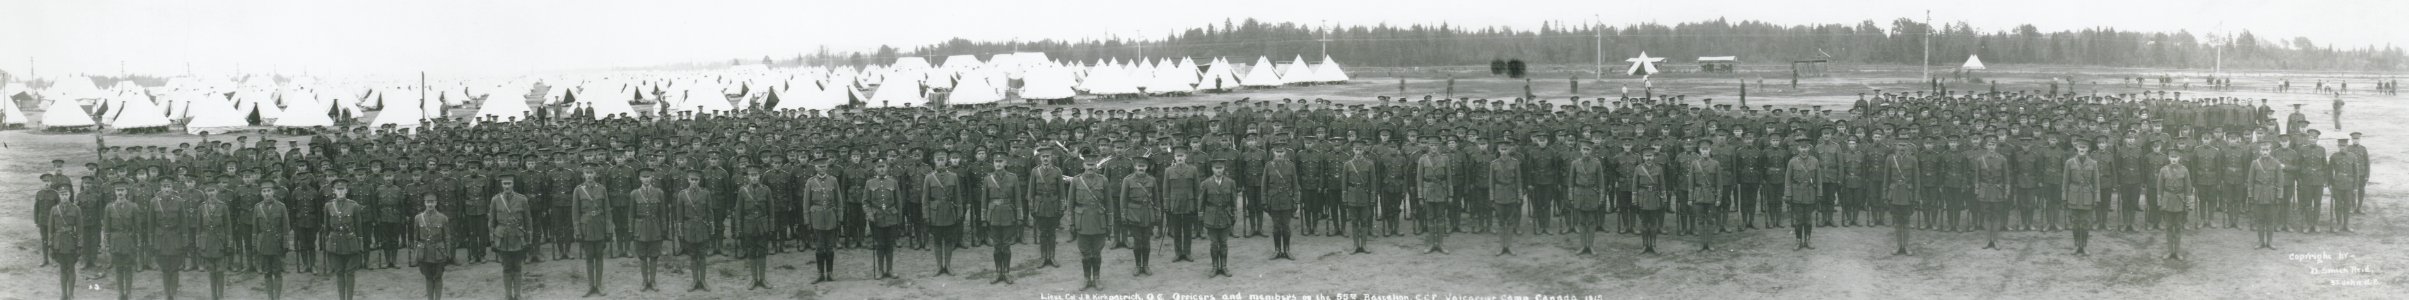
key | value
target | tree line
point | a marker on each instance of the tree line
(1754, 42)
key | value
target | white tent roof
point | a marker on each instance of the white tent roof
(963, 62)
(1329, 71)
(138, 114)
(1298, 71)
(262, 100)
(9, 113)
(974, 89)
(67, 114)
(910, 63)
(503, 105)
(606, 100)
(1047, 83)
(1217, 75)
(897, 92)
(703, 101)
(306, 110)
(1169, 78)
(1642, 65)
(1973, 62)
(400, 111)
(213, 114)
(1109, 79)
(1261, 74)
(72, 88)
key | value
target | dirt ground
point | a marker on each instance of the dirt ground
(1850, 263)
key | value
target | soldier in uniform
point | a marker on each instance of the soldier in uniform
(213, 238)
(63, 237)
(2175, 199)
(53, 191)
(882, 204)
(1586, 180)
(2310, 180)
(344, 221)
(1991, 184)
(1141, 198)
(2083, 191)
(1089, 192)
(1802, 180)
(592, 225)
(942, 207)
(125, 231)
(1706, 184)
(2266, 194)
(389, 217)
(1900, 171)
(646, 223)
(1647, 195)
(511, 222)
(824, 203)
(268, 245)
(1359, 183)
(1003, 196)
(1180, 201)
(697, 226)
(1220, 194)
(1435, 189)
(2349, 176)
(1046, 204)
(171, 230)
(433, 246)
(1505, 195)
(1280, 196)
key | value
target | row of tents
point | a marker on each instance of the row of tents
(216, 104)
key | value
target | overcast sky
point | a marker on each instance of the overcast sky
(489, 37)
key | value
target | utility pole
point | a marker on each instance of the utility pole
(1927, 45)
(1600, 29)
(1325, 38)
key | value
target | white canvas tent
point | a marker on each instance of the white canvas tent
(10, 115)
(1642, 65)
(66, 114)
(974, 89)
(1047, 83)
(1973, 62)
(1260, 75)
(502, 106)
(138, 114)
(1298, 71)
(400, 111)
(1217, 76)
(213, 114)
(897, 92)
(306, 110)
(1329, 71)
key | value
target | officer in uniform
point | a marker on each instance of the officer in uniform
(1648, 196)
(882, 204)
(1991, 184)
(171, 233)
(1899, 173)
(344, 219)
(64, 233)
(1706, 184)
(1505, 195)
(1002, 192)
(1805, 189)
(1585, 193)
(2083, 185)
(1141, 199)
(592, 224)
(433, 246)
(1180, 201)
(125, 231)
(213, 238)
(2266, 193)
(268, 245)
(1435, 188)
(511, 222)
(1280, 196)
(2175, 199)
(2310, 180)
(1220, 194)
(824, 201)
(646, 223)
(1359, 183)
(1046, 204)
(697, 226)
(2350, 171)
(942, 207)
(1089, 192)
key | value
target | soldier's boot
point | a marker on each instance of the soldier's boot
(648, 275)
(695, 264)
(1587, 239)
(217, 284)
(1647, 242)
(1142, 261)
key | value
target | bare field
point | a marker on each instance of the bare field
(1851, 262)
